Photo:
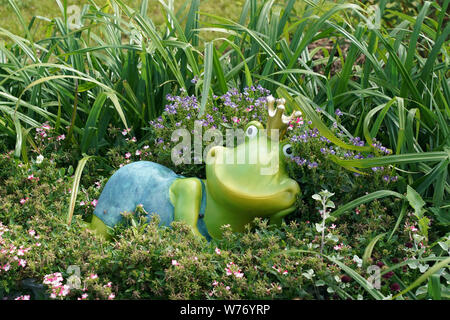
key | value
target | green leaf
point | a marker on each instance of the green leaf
(366, 198)
(442, 215)
(75, 186)
(434, 287)
(369, 248)
(207, 76)
(437, 266)
(415, 201)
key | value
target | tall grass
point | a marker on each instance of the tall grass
(386, 71)
(390, 83)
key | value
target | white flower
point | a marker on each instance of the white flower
(39, 159)
(357, 260)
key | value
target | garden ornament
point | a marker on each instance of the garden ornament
(233, 193)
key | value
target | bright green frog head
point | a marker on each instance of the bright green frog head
(250, 180)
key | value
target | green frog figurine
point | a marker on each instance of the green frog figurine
(242, 183)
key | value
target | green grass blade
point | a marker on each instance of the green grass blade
(368, 251)
(207, 76)
(364, 199)
(436, 267)
(300, 103)
(90, 129)
(75, 186)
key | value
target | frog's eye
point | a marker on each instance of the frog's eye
(287, 150)
(251, 131)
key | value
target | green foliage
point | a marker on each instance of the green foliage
(378, 71)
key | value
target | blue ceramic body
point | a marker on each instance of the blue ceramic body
(146, 183)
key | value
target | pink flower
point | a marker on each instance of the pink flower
(26, 297)
(133, 139)
(83, 296)
(138, 152)
(54, 279)
(61, 137)
(82, 203)
(31, 232)
(217, 250)
(413, 229)
(111, 296)
(94, 202)
(22, 263)
(93, 276)
(175, 263)
(22, 201)
(333, 226)
(125, 132)
(127, 155)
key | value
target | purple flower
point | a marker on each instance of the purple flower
(395, 287)
(338, 112)
(194, 80)
(312, 165)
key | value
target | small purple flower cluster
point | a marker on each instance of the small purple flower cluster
(233, 98)
(356, 141)
(306, 136)
(301, 162)
(377, 145)
(389, 179)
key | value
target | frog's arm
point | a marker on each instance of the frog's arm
(186, 197)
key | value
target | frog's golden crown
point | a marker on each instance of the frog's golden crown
(277, 119)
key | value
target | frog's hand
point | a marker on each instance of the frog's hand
(186, 197)
(278, 217)
(99, 227)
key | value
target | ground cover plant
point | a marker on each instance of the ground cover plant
(370, 150)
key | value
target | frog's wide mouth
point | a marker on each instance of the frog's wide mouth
(281, 200)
